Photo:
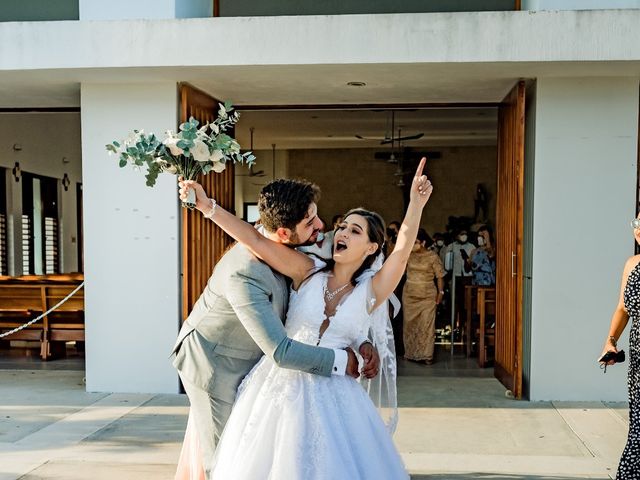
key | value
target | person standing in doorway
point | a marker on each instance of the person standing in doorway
(392, 234)
(483, 259)
(459, 255)
(438, 243)
(420, 299)
(629, 307)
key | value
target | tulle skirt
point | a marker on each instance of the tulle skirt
(295, 425)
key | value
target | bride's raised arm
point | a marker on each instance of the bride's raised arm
(286, 260)
(386, 280)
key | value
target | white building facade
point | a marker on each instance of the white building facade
(101, 69)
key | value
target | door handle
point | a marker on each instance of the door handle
(513, 264)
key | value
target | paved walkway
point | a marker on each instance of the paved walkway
(454, 424)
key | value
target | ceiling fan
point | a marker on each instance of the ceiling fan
(391, 139)
(252, 172)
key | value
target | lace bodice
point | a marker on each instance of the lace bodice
(306, 314)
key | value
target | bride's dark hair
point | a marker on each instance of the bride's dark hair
(375, 231)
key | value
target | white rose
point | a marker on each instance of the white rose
(219, 167)
(216, 156)
(171, 144)
(200, 151)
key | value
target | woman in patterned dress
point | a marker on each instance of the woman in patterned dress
(420, 299)
(483, 259)
(629, 307)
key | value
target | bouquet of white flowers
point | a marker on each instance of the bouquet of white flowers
(189, 152)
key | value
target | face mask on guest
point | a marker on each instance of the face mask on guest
(480, 241)
(440, 243)
(463, 238)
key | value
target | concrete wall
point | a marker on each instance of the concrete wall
(144, 9)
(585, 190)
(131, 245)
(352, 178)
(460, 38)
(49, 145)
(578, 4)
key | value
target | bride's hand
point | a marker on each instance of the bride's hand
(421, 187)
(202, 200)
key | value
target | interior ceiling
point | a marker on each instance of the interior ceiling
(304, 129)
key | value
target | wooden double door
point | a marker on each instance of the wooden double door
(203, 243)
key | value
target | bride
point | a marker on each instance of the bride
(291, 424)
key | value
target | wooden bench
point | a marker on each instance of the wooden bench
(24, 298)
(18, 305)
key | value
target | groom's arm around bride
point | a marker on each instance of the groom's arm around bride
(238, 317)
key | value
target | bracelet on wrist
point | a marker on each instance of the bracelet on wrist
(613, 341)
(212, 209)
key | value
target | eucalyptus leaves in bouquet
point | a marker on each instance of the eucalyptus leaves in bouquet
(191, 151)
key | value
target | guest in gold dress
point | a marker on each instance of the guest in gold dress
(420, 298)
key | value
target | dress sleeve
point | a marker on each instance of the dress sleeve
(438, 268)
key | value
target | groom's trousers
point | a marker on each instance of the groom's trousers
(210, 415)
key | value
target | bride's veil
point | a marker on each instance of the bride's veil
(382, 388)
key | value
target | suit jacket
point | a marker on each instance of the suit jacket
(238, 317)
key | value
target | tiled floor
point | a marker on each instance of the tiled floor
(455, 423)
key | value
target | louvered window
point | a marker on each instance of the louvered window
(40, 225)
(51, 245)
(27, 248)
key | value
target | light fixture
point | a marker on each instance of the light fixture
(65, 160)
(17, 147)
(66, 182)
(16, 171)
(356, 84)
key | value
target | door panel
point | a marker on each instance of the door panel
(510, 226)
(203, 242)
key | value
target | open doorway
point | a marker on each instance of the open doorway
(366, 157)
(41, 242)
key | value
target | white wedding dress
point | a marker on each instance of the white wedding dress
(288, 424)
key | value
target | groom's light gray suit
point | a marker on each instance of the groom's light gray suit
(238, 317)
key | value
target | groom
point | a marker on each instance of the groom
(239, 317)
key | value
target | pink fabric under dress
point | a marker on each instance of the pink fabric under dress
(190, 462)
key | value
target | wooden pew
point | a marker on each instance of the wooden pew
(64, 324)
(19, 304)
(24, 298)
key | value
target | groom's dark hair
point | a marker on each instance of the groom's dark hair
(285, 202)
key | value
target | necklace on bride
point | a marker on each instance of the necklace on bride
(331, 295)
